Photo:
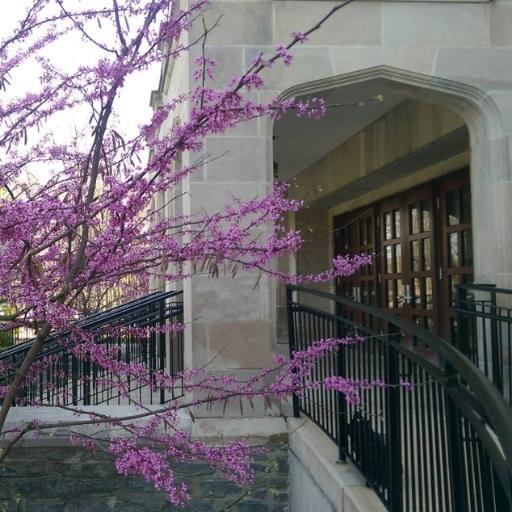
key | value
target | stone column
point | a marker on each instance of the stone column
(231, 319)
(491, 186)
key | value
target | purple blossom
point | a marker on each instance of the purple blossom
(96, 223)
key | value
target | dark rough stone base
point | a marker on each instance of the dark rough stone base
(73, 480)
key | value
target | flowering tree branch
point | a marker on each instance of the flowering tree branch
(89, 223)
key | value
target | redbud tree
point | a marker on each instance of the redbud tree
(77, 217)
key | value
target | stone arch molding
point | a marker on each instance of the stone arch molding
(491, 165)
(473, 105)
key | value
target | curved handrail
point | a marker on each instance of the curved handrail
(496, 409)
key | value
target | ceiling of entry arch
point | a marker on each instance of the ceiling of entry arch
(299, 142)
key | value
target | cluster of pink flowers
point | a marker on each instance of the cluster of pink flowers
(93, 224)
(205, 67)
(284, 54)
(154, 467)
(351, 387)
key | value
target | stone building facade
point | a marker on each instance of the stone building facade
(423, 123)
(412, 163)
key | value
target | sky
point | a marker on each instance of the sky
(133, 104)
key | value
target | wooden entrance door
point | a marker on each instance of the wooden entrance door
(407, 255)
(456, 245)
(355, 233)
(420, 256)
(395, 289)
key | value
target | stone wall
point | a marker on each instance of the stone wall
(318, 482)
(458, 55)
(66, 479)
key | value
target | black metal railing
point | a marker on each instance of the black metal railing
(442, 444)
(61, 377)
(484, 318)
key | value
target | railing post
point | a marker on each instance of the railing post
(455, 450)
(496, 355)
(152, 314)
(74, 379)
(292, 341)
(393, 414)
(161, 349)
(86, 380)
(462, 341)
(341, 401)
(127, 358)
(181, 340)
(22, 393)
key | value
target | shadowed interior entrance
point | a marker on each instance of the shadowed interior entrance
(421, 240)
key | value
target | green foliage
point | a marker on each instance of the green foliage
(6, 339)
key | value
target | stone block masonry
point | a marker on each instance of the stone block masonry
(69, 479)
